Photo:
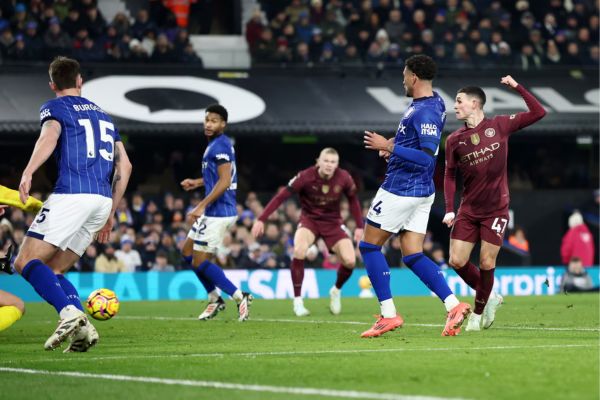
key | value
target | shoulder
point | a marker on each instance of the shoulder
(52, 109)
(344, 175)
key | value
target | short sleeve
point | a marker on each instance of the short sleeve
(428, 126)
(222, 154)
(49, 110)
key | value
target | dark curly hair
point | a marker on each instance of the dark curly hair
(218, 109)
(423, 66)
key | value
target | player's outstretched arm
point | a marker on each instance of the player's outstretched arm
(281, 196)
(122, 172)
(536, 110)
(191, 183)
(44, 147)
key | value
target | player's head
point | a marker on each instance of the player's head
(418, 69)
(328, 161)
(469, 100)
(215, 120)
(64, 74)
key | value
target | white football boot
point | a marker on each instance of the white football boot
(85, 339)
(489, 312)
(67, 326)
(335, 300)
(474, 323)
(299, 308)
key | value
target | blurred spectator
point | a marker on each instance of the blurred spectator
(578, 241)
(128, 255)
(518, 239)
(576, 278)
(161, 264)
(107, 261)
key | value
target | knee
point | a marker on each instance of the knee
(348, 261)
(20, 305)
(300, 251)
(456, 261)
(20, 263)
(487, 263)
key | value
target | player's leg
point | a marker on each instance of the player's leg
(206, 242)
(187, 252)
(464, 235)
(303, 239)
(12, 309)
(344, 249)
(411, 243)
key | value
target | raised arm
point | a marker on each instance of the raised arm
(121, 175)
(536, 110)
(44, 147)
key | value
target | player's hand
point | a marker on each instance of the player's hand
(196, 213)
(258, 228)
(2, 207)
(191, 184)
(358, 235)
(509, 81)
(104, 233)
(375, 141)
(24, 188)
(449, 219)
(385, 155)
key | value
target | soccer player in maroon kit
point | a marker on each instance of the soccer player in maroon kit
(320, 189)
(480, 150)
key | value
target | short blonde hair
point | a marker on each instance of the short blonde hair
(328, 150)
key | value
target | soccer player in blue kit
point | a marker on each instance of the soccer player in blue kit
(403, 201)
(93, 172)
(214, 215)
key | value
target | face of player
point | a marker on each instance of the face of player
(213, 124)
(327, 163)
(410, 78)
(464, 106)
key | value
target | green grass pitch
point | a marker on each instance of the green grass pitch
(539, 348)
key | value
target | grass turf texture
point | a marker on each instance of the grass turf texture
(521, 356)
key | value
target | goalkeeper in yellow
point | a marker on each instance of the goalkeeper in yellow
(12, 307)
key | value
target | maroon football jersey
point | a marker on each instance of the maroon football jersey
(480, 153)
(319, 197)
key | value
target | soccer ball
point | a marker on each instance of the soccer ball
(102, 304)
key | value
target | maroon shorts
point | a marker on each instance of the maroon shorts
(330, 232)
(471, 229)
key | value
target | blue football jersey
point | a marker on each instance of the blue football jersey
(85, 148)
(420, 128)
(220, 151)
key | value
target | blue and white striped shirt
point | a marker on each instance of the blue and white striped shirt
(219, 151)
(420, 128)
(85, 148)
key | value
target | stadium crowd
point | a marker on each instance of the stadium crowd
(525, 34)
(39, 30)
(151, 231)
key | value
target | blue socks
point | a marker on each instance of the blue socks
(214, 274)
(429, 273)
(208, 285)
(377, 269)
(46, 284)
(70, 291)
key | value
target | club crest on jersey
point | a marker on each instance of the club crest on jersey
(337, 189)
(475, 139)
(490, 132)
(325, 189)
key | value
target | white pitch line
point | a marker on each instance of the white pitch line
(298, 353)
(353, 394)
(312, 321)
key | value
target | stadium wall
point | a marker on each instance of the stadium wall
(276, 284)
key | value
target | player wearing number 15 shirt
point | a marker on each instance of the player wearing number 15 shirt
(93, 171)
(479, 150)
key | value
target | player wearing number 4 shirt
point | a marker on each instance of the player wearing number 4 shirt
(93, 171)
(479, 150)
(213, 216)
(404, 200)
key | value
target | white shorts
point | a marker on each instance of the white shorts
(208, 232)
(70, 221)
(394, 213)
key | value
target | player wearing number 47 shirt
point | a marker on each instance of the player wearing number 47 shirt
(213, 216)
(479, 150)
(93, 171)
